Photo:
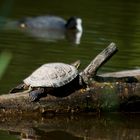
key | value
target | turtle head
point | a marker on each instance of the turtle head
(76, 64)
(22, 23)
(74, 23)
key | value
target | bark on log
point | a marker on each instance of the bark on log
(98, 61)
(99, 97)
(128, 76)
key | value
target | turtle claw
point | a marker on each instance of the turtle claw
(33, 96)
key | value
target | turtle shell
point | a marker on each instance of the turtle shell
(52, 75)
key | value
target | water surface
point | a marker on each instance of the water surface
(103, 22)
(89, 127)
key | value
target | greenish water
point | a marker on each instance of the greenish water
(103, 22)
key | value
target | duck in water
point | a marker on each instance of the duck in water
(51, 23)
(52, 28)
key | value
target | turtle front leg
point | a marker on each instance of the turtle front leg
(36, 94)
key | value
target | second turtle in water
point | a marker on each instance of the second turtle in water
(55, 78)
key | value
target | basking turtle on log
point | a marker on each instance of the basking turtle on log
(60, 79)
(65, 82)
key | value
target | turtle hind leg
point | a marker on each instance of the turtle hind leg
(18, 88)
(36, 94)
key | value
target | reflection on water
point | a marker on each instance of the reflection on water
(86, 127)
(52, 135)
(53, 36)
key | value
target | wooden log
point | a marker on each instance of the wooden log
(128, 76)
(98, 97)
(98, 61)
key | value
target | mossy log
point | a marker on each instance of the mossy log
(100, 95)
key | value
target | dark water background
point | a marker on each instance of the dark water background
(103, 22)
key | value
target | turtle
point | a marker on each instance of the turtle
(53, 78)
